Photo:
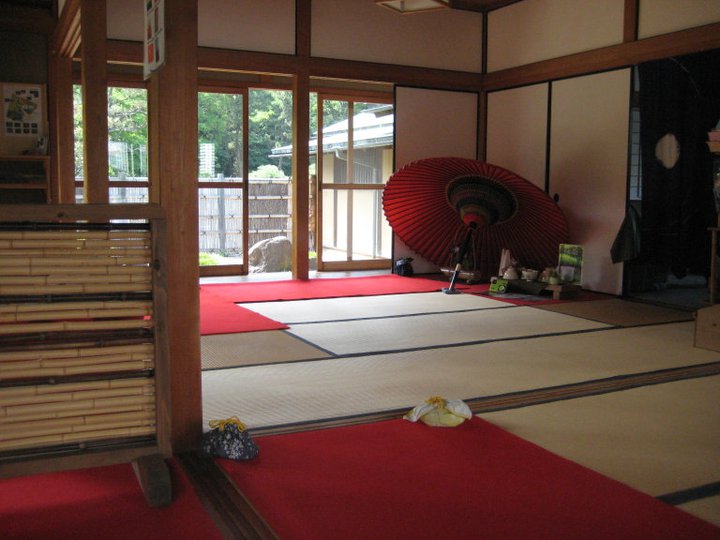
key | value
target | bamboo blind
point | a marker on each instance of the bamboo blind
(77, 335)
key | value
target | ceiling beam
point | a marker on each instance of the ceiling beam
(481, 6)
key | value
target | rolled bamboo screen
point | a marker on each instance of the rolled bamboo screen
(77, 336)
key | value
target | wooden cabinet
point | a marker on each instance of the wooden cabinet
(24, 179)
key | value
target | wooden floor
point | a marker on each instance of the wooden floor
(625, 393)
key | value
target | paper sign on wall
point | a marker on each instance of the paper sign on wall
(22, 110)
(570, 262)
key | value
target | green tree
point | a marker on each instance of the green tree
(220, 122)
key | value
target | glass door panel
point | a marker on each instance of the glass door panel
(356, 139)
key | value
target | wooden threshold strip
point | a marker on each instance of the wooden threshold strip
(233, 514)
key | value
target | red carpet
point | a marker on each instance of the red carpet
(291, 289)
(99, 503)
(399, 480)
(218, 315)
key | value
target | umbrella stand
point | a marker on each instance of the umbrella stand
(463, 251)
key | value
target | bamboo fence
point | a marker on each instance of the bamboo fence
(59, 281)
(40, 415)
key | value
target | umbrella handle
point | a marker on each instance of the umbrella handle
(461, 256)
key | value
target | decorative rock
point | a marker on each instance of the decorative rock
(271, 255)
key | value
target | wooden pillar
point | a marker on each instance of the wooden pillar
(172, 108)
(93, 35)
(301, 140)
(630, 21)
(300, 175)
(62, 145)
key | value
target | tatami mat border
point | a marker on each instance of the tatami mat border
(400, 316)
(692, 494)
(513, 400)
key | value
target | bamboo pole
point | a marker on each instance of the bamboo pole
(95, 251)
(84, 234)
(72, 407)
(87, 270)
(68, 260)
(66, 307)
(73, 326)
(40, 281)
(27, 290)
(76, 352)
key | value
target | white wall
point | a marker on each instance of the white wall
(588, 167)
(229, 24)
(663, 16)
(361, 30)
(517, 131)
(534, 30)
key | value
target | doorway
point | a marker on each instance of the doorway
(676, 101)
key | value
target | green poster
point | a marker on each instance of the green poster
(570, 263)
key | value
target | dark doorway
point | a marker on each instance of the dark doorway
(677, 101)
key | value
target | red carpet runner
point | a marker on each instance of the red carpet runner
(102, 503)
(220, 315)
(399, 480)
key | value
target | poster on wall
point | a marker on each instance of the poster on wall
(22, 110)
(154, 50)
(570, 262)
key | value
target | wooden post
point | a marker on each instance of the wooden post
(93, 32)
(300, 176)
(301, 140)
(172, 108)
(61, 145)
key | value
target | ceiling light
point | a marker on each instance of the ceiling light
(413, 6)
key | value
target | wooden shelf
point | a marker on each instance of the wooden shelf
(22, 177)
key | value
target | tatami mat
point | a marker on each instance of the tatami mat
(402, 333)
(707, 509)
(620, 312)
(250, 348)
(362, 307)
(659, 439)
(307, 391)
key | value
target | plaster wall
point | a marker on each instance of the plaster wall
(663, 16)
(535, 30)
(444, 39)
(517, 131)
(588, 167)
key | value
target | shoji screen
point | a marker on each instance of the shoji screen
(588, 167)
(517, 131)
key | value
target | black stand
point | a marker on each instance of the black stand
(463, 251)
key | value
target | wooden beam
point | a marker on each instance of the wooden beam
(66, 37)
(154, 477)
(127, 52)
(630, 20)
(79, 212)
(172, 111)
(93, 31)
(701, 38)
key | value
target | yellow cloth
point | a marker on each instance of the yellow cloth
(440, 412)
(222, 424)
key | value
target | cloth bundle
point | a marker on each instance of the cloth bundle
(440, 412)
(228, 439)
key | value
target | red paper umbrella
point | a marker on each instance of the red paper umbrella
(431, 203)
